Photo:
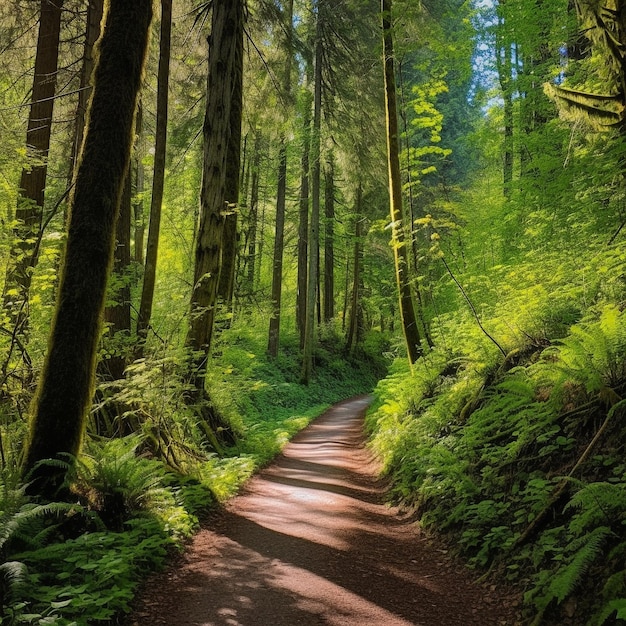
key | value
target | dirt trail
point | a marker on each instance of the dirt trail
(310, 541)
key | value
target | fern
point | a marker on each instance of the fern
(598, 503)
(121, 483)
(615, 609)
(593, 355)
(565, 580)
(12, 575)
(28, 524)
(613, 597)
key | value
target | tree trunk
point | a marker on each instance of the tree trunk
(29, 211)
(279, 242)
(225, 59)
(329, 243)
(313, 248)
(108, 418)
(281, 196)
(242, 247)
(355, 320)
(253, 215)
(95, 9)
(138, 207)
(158, 180)
(407, 305)
(303, 219)
(504, 63)
(66, 386)
(231, 190)
(117, 315)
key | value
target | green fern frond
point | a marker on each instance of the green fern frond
(124, 481)
(598, 503)
(26, 523)
(12, 573)
(588, 548)
(593, 355)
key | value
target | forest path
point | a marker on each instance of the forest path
(310, 541)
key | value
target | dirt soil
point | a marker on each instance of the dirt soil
(311, 541)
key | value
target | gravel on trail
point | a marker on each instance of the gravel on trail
(310, 541)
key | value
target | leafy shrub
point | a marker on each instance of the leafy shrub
(119, 484)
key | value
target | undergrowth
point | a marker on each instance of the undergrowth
(520, 461)
(138, 497)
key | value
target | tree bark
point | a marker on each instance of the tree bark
(225, 51)
(158, 180)
(231, 189)
(138, 206)
(29, 211)
(117, 314)
(504, 63)
(66, 386)
(253, 215)
(95, 9)
(108, 419)
(279, 244)
(407, 304)
(303, 219)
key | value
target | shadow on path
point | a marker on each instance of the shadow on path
(310, 541)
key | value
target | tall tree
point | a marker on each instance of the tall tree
(231, 191)
(225, 69)
(29, 212)
(314, 221)
(95, 9)
(253, 212)
(355, 323)
(281, 194)
(117, 314)
(158, 180)
(65, 389)
(303, 214)
(504, 64)
(407, 304)
(139, 224)
(329, 240)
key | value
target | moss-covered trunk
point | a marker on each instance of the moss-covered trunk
(224, 60)
(407, 303)
(65, 389)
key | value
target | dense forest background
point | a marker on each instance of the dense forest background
(316, 199)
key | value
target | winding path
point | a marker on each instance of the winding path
(310, 541)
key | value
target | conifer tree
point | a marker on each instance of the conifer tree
(407, 304)
(158, 180)
(225, 63)
(65, 389)
(29, 212)
(281, 195)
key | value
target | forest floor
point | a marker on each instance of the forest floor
(311, 541)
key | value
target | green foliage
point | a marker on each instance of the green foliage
(480, 446)
(119, 484)
(142, 494)
(92, 577)
(592, 356)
